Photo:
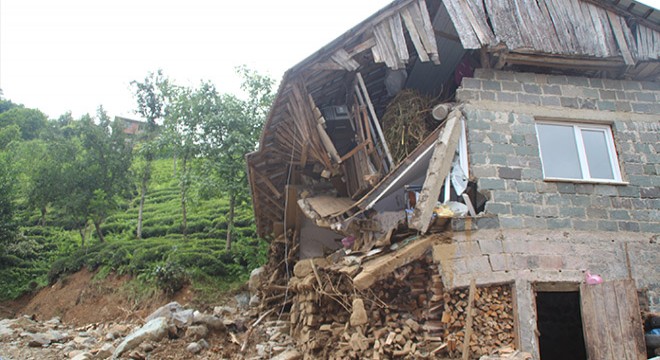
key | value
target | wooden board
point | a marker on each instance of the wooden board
(328, 205)
(611, 321)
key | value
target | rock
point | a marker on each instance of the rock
(173, 312)
(104, 352)
(224, 310)
(110, 336)
(137, 355)
(359, 315)
(58, 337)
(73, 353)
(84, 340)
(292, 354)
(255, 279)
(304, 267)
(242, 299)
(82, 356)
(147, 346)
(194, 348)
(5, 328)
(119, 330)
(358, 342)
(38, 340)
(204, 344)
(154, 330)
(211, 321)
(197, 332)
(255, 301)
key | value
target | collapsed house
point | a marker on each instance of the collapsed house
(447, 177)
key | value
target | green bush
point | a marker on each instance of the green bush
(170, 277)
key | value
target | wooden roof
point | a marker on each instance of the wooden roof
(609, 38)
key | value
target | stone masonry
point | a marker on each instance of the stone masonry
(536, 231)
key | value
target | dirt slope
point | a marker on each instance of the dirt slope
(79, 299)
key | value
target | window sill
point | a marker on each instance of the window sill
(582, 181)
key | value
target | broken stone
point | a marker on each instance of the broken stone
(38, 340)
(154, 330)
(204, 344)
(104, 352)
(211, 321)
(224, 310)
(292, 354)
(255, 279)
(304, 267)
(137, 355)
(173, 312)
(147, 346)
(359, 315)
(255, 300)
(196, 332)
(194, 348)
(82, 356)
(359, 342)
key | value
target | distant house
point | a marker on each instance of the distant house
(131, 126)
(544, 164)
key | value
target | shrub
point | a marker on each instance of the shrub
(170, 277)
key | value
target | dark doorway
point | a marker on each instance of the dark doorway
(560, 326)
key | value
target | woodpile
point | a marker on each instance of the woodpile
(278, 270)
(407, 315)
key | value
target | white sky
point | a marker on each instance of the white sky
(77, 54)
(73, 55)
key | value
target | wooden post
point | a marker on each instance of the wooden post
(469, 320)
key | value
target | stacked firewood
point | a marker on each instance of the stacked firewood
(492, 315)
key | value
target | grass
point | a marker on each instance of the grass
(44, 254)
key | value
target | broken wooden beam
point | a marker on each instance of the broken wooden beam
(439, 166)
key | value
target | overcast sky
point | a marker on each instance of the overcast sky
(73, 55)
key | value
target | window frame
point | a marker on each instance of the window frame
(582, 156)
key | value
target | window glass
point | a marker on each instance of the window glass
(559, 151)
(598, 157)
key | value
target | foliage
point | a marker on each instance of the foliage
(170, 277)
(57, 177)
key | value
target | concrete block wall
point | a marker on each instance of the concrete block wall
(501, 108)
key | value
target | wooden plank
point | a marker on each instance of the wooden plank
(416, 15)
(505, 24)
(629, 313)
(610, 310)
(386, 46)
(327, 143)
(429, 32)
(611, 321)
(396, 29)
(268, 183)
(469, 39)
(439, 166)
(383, 266)
(414, 35)
(469, 319)
(620, 38)
(477, 22)
(342, 58)
(374, 119)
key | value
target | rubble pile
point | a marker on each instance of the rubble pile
(172, 331)
(402, 316)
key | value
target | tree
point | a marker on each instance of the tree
(30, 121)
(230, 135)
(189, 109)
(7, 222)
(151, 98)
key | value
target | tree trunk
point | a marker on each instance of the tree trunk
(82, 236)
(97, 226)
(43, 216)
(184, 189)
(230, 220)
(143, 195)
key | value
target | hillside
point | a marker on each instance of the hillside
(162, 262)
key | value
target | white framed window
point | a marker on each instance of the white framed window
(575, 151)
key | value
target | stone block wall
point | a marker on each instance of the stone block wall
(501, 109)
